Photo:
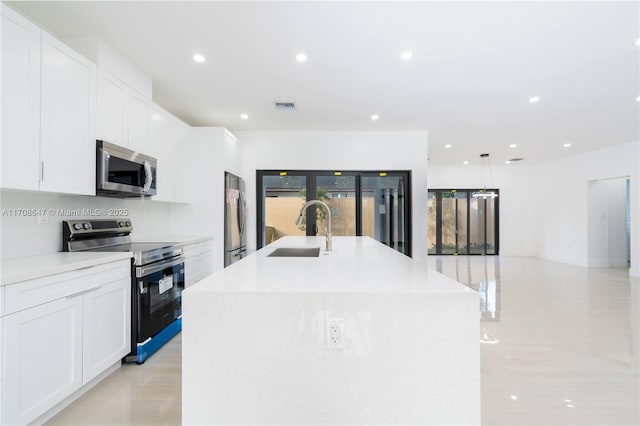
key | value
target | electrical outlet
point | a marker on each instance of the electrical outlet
(335, 333)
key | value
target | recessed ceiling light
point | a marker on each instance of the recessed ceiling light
(465, 162)
(301, 57)
(405, 56)
(566, 145)
(534, 99)
(638, 42)
(448, 145)
(507, 162)
(198, 57)
(514, 397)
(513, 145)
(638, 99)
(244, 116)
(374, 117)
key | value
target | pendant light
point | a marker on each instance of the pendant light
(484, 167)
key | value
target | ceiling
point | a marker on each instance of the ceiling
(475, 65)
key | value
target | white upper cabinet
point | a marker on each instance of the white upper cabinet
(139, 113)
(123, 114)
(48, 111)
(168, 134)
(112, 109)
(20, 102)
(67, 134)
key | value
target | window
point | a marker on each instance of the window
(375, 204)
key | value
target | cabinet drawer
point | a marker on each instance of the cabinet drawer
(198, 248)
(26, 294)
(198, 268)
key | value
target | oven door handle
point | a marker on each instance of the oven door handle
(143, 271)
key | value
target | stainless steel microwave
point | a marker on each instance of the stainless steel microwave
(122, 173)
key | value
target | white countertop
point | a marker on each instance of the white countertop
(177, 239)
(32, 267)
(362, 335)
(356, 265)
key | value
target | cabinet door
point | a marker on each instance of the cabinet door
(107, 327)
(67, 141)
(20, 108)
(182, 165)
(139, 112)
(112, 109)
(42, 358)
(160, 133)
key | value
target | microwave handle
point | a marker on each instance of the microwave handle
(105, 165)
(148, 177)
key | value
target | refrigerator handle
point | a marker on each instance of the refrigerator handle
(240, 212)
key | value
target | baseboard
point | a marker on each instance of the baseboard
(599, 263)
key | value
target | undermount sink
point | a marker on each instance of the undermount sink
(295, 252)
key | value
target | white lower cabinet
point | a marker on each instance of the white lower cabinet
(107, 327)
(51, 348)
(198, 263)
(42, 358)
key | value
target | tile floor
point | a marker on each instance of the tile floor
(559, 346)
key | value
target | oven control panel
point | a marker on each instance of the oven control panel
(82, 228)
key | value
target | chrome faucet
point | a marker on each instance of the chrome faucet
(327, 229)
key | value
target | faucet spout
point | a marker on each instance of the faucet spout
(328, 242)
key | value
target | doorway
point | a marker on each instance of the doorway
(609, 223)
(362, 203)
(459, 223)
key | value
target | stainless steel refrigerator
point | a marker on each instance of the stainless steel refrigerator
(235, 219)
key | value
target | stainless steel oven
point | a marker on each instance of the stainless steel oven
(158, 288)
(157, 271)
(121, 172)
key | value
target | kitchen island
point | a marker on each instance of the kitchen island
(359, 335)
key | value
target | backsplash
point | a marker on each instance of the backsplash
(22, 235)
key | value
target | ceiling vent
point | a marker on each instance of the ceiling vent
(516, 159)
(285, 106)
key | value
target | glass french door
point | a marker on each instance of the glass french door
(384, 210)
(459, 223)
(282, 195)
(337, 190)
(374, 204)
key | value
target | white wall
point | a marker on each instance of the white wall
(514, 182)
(544, 207)
(23, 236)
(340, 151)
(563, 235)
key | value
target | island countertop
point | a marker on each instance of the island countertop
(361, 335)
(356, 265)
